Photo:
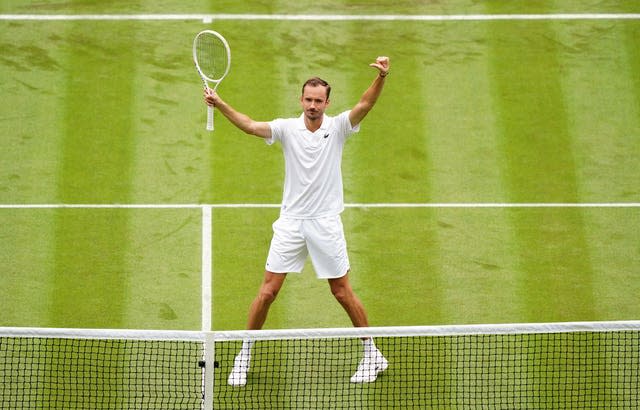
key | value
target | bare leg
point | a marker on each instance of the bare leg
(373, 362)
(266, 295)
(257, 316)
(341, 289)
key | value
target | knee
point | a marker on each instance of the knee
(342, 293)
(267, 294)
(270, 287)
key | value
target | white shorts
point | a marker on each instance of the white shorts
(322, 238)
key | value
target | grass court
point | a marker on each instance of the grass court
(496, 180)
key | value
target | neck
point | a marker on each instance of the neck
(313, 125)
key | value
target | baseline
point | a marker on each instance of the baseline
(208, 18)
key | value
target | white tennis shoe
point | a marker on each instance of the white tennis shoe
(370, 366)
(238, 376)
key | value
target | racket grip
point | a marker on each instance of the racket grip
(209, 118)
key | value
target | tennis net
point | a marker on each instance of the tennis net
(585, 365)
(100, 369)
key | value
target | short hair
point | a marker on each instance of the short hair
(316, 82)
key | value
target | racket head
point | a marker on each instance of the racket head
(211, 55)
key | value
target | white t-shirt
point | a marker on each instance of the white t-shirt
(313, 175)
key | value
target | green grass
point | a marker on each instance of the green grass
(110, 112)
(532, 111)
(101, 268)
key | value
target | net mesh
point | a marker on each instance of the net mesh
(584, 370)
(62, 373)
(311, 369)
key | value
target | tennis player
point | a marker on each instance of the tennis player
(309, 222)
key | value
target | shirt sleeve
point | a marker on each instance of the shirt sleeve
(276, 131)
(345, 124)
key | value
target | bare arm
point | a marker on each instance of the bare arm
(242, 121)
(370, 96)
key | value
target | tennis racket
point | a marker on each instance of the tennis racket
(212, 57)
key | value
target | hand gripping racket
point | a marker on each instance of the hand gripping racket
(212, 57)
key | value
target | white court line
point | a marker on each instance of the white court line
(498, 205)
(208, 18)
(349, 205)
(207, 269)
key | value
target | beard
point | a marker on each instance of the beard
(313, 114)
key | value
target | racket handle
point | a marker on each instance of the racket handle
(209, 118)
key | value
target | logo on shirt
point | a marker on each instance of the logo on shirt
(326, 136)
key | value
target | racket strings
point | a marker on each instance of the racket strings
(212, 56)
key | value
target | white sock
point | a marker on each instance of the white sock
(245, 351)
(369, 346)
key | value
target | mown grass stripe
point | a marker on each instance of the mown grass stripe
(632, 33)
(538, 165)
(89, 283)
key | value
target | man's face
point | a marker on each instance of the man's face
(314, 101)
